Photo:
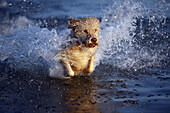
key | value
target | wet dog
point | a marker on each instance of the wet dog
(78, 58)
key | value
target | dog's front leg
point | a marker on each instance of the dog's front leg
(68, 69)
(90, 66)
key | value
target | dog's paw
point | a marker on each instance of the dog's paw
(71, 74)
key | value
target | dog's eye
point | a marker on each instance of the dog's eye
(85, 31)
(96, 30)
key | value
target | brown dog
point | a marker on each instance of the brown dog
(78, 58)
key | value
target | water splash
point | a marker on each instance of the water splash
(129, 38)
(124, 24)
(33, 49)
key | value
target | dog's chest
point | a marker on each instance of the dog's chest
(79, 57)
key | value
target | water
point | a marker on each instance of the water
(132, 62)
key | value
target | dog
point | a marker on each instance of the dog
(78, 58)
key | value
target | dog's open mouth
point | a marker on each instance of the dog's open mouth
(93, 43)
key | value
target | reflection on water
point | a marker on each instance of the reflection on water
(80, 96)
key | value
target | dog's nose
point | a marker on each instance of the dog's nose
(94, 39)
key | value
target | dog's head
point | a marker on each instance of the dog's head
(86, 30)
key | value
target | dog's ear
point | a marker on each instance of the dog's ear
(73, 22)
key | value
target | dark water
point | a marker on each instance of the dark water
(132, 73)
